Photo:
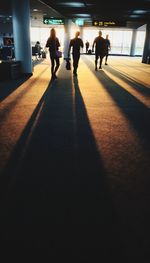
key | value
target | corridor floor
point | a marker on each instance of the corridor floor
(75, 162)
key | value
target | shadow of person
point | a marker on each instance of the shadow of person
(132, 192)
(135, 111)
(9, 86)
(56, 195)
(141, 88)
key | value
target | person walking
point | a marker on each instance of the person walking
(53, 45)
(75, 43)
(87, 44)
(100, 49)
(108, 48)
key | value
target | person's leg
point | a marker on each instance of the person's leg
(75, 63)
(100, 64)
(101, 60)
(52, 66)
(57, 66)
(106, 57)
(96, 59)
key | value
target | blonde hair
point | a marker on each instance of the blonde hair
(77, 33)
(53, 33)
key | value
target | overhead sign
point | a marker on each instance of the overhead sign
(53, 21)
(79, 22)
(109, 23)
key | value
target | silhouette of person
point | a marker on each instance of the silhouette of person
(87, 44)
(8, 42)
(75, 43)
(100, 50)
(38, 46)
(108, 47)
(53, 44)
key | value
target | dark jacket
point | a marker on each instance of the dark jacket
(53, 45)
(76, 43)
(100, 46)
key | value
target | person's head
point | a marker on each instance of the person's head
(37, 42)
(107, 36)
(100, 33)
(53, 33)
(77, 34)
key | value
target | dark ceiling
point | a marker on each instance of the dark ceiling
(134, 11)
(127, 10)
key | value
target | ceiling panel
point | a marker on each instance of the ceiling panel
(102, 9)
(132, 11)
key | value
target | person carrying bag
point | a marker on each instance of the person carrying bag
(58, 54)
(53, 45)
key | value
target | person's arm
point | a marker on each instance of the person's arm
(57, 43)
(46, 46)
(47, 43)
(93, 45)
(82, 45)
(109, 45)
(70, 45)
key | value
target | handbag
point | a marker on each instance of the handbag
(58, 54)
(68, 64)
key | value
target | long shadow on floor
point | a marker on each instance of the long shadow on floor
(55, 192)
(135, 111)
(9, 106)
(136, 217)
(7, 87)
(130, 81)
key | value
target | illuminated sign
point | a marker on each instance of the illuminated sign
(79, 22)
(53, 21)
(109, 23)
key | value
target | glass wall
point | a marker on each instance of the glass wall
(41, 34)
(121, 42)
(120, 39)
(140, 39)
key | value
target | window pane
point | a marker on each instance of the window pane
(140, 38)
(120, 39)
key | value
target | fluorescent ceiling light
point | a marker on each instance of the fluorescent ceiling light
(82, 15)
(139, 12)
(72, 4)
(134, 16)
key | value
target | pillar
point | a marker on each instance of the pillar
(146, 51)
(133, 43)
(81, 36)
(21, 32)
(67, 36)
